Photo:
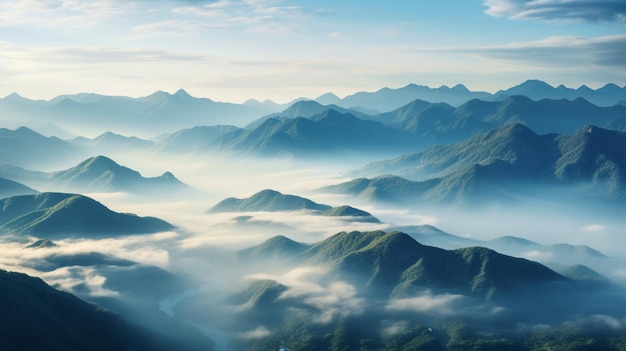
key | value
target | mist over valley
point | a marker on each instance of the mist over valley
(400, 219)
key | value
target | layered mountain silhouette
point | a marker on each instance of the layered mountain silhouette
(38, 317)
(442, 123)
(499, 165)
(99, 174)
(111, 142)
(196, 139)
(330, 131)
(58, 215)
(25, 148)
(388, 99)
(154, 114)
(273, 201)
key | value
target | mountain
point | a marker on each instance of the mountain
(273, 201)
(443, 124)
(500, 165)
(608, 95)
(58, 215)
(196, 139)
(277, 248)
(11, 188)
(150, 115)
(110, 142)
(26, 148)
(387, 99)
(329, 132)
(38, 317)
(99, 174)
(394, 264)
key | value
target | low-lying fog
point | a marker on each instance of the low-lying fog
(202, 245)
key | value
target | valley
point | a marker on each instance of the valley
(492, 224)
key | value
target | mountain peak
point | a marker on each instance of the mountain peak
(181, 93)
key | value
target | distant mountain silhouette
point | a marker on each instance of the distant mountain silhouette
(146, 116)
(330, 131)
(272, 201)
(99, 174)
(38, 317)
(491, 166)
(26, 148)
(196, 139)
(11, 188)
(58, 215)
(111, 142)
(608, 95)
(387, 99)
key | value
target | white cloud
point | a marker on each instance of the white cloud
(583, 10)
(595, 228)
(332, 299)
(438, 304)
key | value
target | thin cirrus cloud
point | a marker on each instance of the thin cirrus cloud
(566, 52)
(580, 10)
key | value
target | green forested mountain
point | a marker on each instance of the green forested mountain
(272, 201)
(59, 215)
(99, 174)
(498, 165)
(38, 317)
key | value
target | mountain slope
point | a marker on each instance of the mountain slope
(497, 165)
(99, 174)
(330, 131)
(273, 201)
(11, 188)
(57, 215)
(24, 147)
(157, 113)
(443, 124)
(38, 317)
(196, 139)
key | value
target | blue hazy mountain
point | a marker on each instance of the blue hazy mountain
(330, 131)
(111, 142)
(608, 95)
(496, 166)
(59, 215)
(388, 99)
(442, 124)
(150, 115)
(26, 148)
(273, 201)
(99, 174)
(37, 317)
(196, 139)
(11, 188)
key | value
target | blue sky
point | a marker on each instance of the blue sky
(232, 50)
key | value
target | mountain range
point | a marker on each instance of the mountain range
(498, 167)
(388, 99)
(273, 201)
(328, 132)
(396, 265)
(25, 148)
(98, 174)
(162, 112)
(38, 317)
(58, 215)
(154, 114)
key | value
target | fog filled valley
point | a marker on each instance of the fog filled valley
(400, 219)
